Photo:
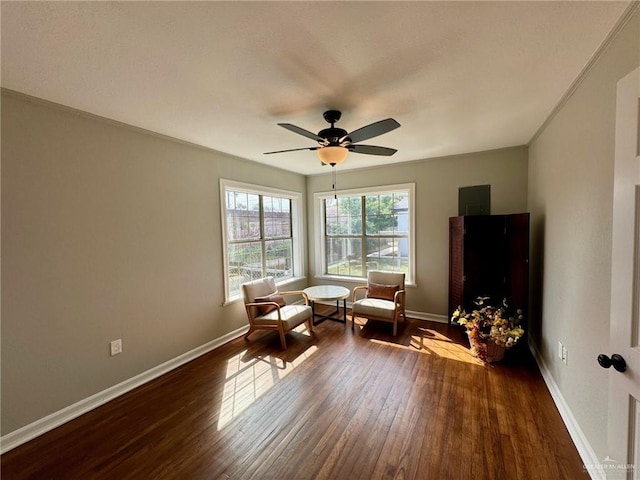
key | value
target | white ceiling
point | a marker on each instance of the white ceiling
(459, 76)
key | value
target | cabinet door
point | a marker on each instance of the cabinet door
(456, 263)
(485, 259)
(518, 265)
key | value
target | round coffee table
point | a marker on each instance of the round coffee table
(332, 293)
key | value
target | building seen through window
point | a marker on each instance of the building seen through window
(259, 238)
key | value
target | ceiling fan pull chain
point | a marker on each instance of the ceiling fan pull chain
(334, 180)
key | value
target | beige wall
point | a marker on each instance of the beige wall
(110, 232)
(107, 232)
(437, 181)
(571, 200)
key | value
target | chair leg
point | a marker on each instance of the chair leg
(353, 320)
(310, 326)
(395, 322)
(283, 342)
(251, 330)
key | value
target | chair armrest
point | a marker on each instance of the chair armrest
(356, 289)
(398, 297)
(297, 292)
(261, 304)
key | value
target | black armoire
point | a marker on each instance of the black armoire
(489, 257)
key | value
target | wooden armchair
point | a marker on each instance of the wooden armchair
(267, 309)
(384, 299)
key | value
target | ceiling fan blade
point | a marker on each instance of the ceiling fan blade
(301, 131)
(373, 130)
(292, 150)
(372, 150)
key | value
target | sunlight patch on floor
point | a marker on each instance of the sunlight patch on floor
(432, 342)
(246, 381)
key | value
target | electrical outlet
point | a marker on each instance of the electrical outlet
(560, 351)
(116, 347)
(564, 354)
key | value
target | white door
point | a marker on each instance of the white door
(623, 460)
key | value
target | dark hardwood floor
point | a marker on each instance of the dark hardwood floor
(338, 405)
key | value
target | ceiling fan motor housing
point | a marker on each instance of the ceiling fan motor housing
(333, 135)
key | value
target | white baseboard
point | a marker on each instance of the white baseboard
(432, 317)
(583, 446)
(43, 425)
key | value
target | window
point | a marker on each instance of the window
(366, 229)
(261, 231)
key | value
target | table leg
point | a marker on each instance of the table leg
(333, 316)
(313, 312)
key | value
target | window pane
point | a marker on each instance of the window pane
(355, 215)
(231, 201)
(381, 215)
(401, 210)
(279, 257)
(389, 254)
(245, 264)
(402, 224)
(344, 256)
(349, 217)
(253, 202)
(332, 226)
(267, 203)
(277, 217)
(372, 205)
(243, 216)
(330, 207)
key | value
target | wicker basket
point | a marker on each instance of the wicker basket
(488, 349)
(495, 352)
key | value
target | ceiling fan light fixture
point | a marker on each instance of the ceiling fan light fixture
(332, 155)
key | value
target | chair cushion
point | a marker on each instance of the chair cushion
(386, 278)
(274, 297)
(292, 316)
(258, 288)
(373, 306)
(384, 292)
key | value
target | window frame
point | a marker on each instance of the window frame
(320, 234)
(297, 230)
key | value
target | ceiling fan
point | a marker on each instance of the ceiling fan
(335, 143)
